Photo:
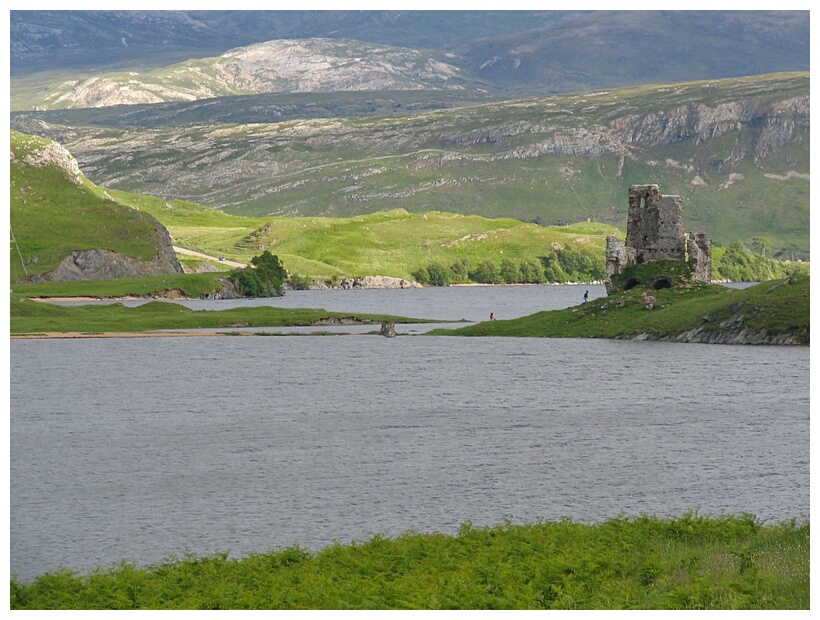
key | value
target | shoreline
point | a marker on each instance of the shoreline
(75, 335)
(93, 298)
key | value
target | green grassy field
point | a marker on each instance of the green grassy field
(686, 562)
(392, 243)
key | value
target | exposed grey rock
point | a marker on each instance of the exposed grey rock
(52, 154)
(388, 330)
(366, 282)
(227, 292)
(104, 264)
(281, 65)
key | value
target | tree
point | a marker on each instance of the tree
(510, 271)
(439, 274)
(790, 251)
(264, 278)
(486, 273)
(421, 275)
(460, 270)
(532, 272)
(762, 245)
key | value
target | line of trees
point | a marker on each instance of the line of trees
(564, 265)
(738, 264)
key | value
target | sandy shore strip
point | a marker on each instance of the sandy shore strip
(57, 300)
(52, 335)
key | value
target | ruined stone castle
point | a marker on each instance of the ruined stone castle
(654, 231)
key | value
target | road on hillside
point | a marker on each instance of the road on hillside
(231, 263)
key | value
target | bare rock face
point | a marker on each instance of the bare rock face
(52, 154)
(103, 264)
(368, 282)
(281, 65)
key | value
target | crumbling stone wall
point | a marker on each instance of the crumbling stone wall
(699, 247)
(655, 224)
(654, 231)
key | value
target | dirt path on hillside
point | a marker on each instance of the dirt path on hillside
(180, 250)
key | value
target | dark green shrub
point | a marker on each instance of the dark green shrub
(439, 274)
(487, 272)
(510, 271)
(264, 278)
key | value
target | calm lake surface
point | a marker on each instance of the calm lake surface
(138, 449)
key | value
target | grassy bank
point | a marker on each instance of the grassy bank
(31, 317)
(191, 285)
(687, 562)
(779, 307)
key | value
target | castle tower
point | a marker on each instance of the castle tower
(654, 231)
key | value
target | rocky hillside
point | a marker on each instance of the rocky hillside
(737, 150)
(64, 228)
(283, 66)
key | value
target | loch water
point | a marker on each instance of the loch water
(144, 449)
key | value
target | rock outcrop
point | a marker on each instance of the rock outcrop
(100, 263)
(104, 264)
(52, 154)
(366, 282)
(281, 65)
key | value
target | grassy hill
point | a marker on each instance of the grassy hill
(737, 150)
(393, 243)
(55, 210)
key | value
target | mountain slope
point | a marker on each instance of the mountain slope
(737, 150)
(64, 228)
(308, 65)
(521, 51)
(609, 49)
(48, 40)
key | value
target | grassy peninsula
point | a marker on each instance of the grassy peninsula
(31, 317)
(686, 562)
(773, 312)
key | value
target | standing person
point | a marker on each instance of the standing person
(586, 297)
